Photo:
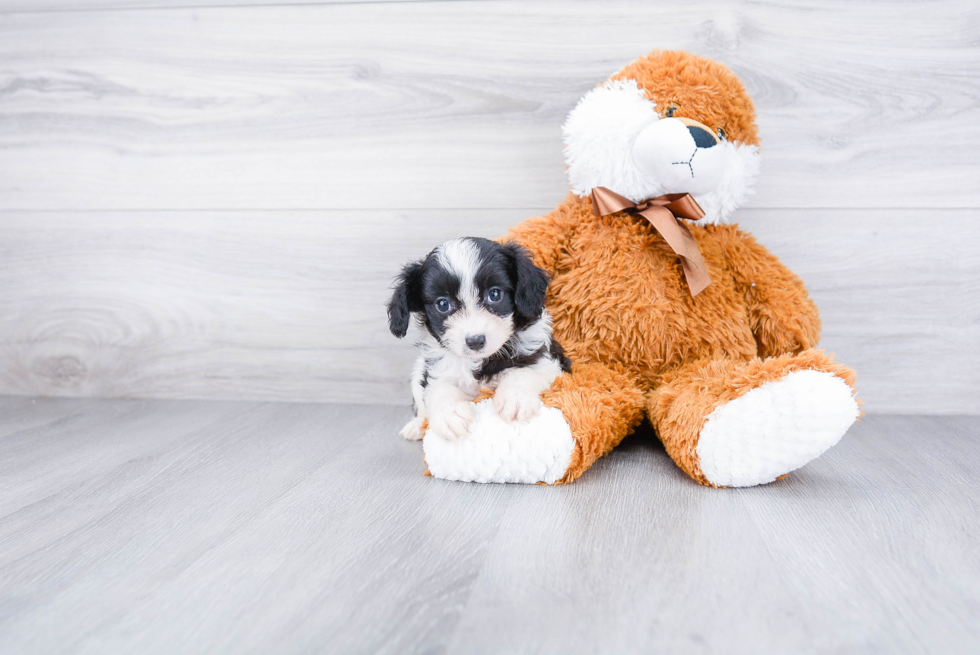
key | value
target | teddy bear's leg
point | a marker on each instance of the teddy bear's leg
(585, 414)
(736, 423)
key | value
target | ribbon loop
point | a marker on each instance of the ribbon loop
(664, 213)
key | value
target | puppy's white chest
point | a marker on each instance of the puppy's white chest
(456, 371)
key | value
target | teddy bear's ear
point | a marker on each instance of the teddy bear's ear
(531, 283)
(406, 298)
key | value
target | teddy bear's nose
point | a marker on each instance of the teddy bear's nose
(702, 137)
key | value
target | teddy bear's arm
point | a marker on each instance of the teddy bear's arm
(783, 317)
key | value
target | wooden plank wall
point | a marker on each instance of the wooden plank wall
(210, 201)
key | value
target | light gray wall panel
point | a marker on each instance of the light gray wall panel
(210, 202)
(459, 104)
(37, 6)
(290, 305)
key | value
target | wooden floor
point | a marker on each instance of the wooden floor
(208, 527)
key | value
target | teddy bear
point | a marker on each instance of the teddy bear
(667, 310)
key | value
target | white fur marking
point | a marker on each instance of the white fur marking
(462, 258)
(775, 428)
(469, 322)
(534, 337)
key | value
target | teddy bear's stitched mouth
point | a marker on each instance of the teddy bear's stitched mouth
(688, 162)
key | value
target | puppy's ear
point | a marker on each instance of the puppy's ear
(531, 281)
(406, 298)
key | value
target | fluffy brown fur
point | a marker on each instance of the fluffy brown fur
(601, 405)
(624, 314)
(699, 88)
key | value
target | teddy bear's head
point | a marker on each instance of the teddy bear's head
(669, 122)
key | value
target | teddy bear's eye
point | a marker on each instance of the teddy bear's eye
(721, 134)
(671, 110)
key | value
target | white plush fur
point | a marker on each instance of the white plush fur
(775, 428)
(666, 152)
(599, 136)
(736, 185)
(538, 450)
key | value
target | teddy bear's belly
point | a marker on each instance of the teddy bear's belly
(631, 305)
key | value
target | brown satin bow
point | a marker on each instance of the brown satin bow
(664, 213)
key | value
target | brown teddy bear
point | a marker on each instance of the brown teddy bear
(665, 309)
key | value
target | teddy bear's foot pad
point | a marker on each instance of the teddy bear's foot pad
(495, 450)
(775, 428)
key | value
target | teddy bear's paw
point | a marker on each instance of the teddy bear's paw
(775, 428)
(536, 450)
(452, 422)
(413, 429)
(516, 404)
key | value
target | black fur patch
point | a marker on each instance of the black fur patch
(498, 363)
(405, 299)
(558, 354)
(530, 284)
(437, 282)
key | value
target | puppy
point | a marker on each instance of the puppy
(480, 307)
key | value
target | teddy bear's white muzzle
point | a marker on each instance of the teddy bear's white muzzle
(683, 156)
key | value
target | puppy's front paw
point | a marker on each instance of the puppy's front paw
(454, 421)
(516, 404)
(413, 429)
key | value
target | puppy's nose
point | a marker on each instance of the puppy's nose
(477, 342)
(702, 137)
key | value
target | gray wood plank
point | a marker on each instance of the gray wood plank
(201, 527)
(632, 558)
(909, 486)
(340, 106)
(223, 508)
(290, 305)
(869, 549)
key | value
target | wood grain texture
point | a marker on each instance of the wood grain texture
(203, 527)
(459, 104)
(290, 305)
(39, 6)
(210, 201)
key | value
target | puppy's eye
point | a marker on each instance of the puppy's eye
(494, 294)
(721, 134)
(443, 305)
(671, 110)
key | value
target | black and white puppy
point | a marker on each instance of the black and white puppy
(480, 307)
